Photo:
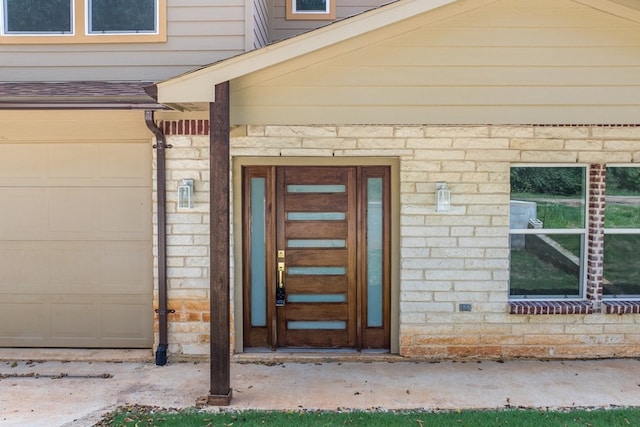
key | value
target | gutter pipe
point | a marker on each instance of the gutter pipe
(163, 312)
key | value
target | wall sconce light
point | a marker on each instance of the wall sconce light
(185, 194)
(443, 197)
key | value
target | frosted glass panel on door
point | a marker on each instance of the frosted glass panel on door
(316, 216)
(258, 257)
(317, 271)
(317, 298)
(329, 324)
(374, 252)
(293, 188)
(316, 243)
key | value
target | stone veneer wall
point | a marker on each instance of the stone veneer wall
(447, 259)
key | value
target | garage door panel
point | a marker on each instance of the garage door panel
(123, 163)
(21, 165)
(125, 213)
(65, 324)
(22, 321)
(130, 321)
(23, 267)
(76, 263)
(24, 212)
(75, 161)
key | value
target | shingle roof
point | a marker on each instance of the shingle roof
(105, 93)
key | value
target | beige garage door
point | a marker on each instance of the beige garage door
(75, 245)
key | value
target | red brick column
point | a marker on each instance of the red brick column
(595, 238)
(185, 127)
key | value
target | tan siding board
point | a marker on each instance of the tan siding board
(583, 65)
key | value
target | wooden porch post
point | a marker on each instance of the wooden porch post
(220, 392)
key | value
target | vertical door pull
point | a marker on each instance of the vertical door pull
(280, 293)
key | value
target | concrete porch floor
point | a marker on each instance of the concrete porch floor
(75, 388)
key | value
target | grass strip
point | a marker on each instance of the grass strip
(142, 417)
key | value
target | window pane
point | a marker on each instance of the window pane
(374, 252)
(317, 298)
(623, 198)
(258, 253)
(127, 16)
(316, 243)
(320, 271)
(37, 16)
(311, 5)
(621, 265)
(547, 197)
(545, 265)
(329, 324)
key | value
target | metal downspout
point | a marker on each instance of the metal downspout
(160, 146)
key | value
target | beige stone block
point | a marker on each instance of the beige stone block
(605, 157)
(481, 143)
(330, 143)
(416, 296)
(461, 297)
(429, 143)
(420, 166)
(501, 340)
(265, 142)
(561, 132)
(433, 155)
(494, 155)
(457, 131)
(458, 166)
(430, 285)
(408, 131)
(301, 131)
(548, 339)
(583, 144)
(623, 145)
(537, 144)
(549, 156)
(475, 352)
(365, 131)
(427, 340)
(528, 351)
(364, 152)
(381, 143)
(616, 132)
(511, 131)
(255, 130)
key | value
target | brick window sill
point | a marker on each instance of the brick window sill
(621, 307)
(550, 307)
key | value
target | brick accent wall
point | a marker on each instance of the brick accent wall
(595, 245)
(447, 259)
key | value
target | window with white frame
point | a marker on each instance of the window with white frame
(547, 232)
(621, 272)
(310, 9)
(82, 21)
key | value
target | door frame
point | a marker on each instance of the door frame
(239, 162)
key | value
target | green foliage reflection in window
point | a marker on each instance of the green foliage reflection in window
(122, 16)
(37, 16)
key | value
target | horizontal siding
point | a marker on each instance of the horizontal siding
(558, 62)
(281, 28)
(198, 32)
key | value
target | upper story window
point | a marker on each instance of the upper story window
(311, 9)
(82, 21)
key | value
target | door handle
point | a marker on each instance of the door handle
(280, 292)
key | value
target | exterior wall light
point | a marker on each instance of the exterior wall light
(185, 194)
(443, 197)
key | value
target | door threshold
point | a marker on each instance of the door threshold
(312, 355)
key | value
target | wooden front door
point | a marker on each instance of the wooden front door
(316, 261)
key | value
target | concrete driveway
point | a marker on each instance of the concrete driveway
(78, 393)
